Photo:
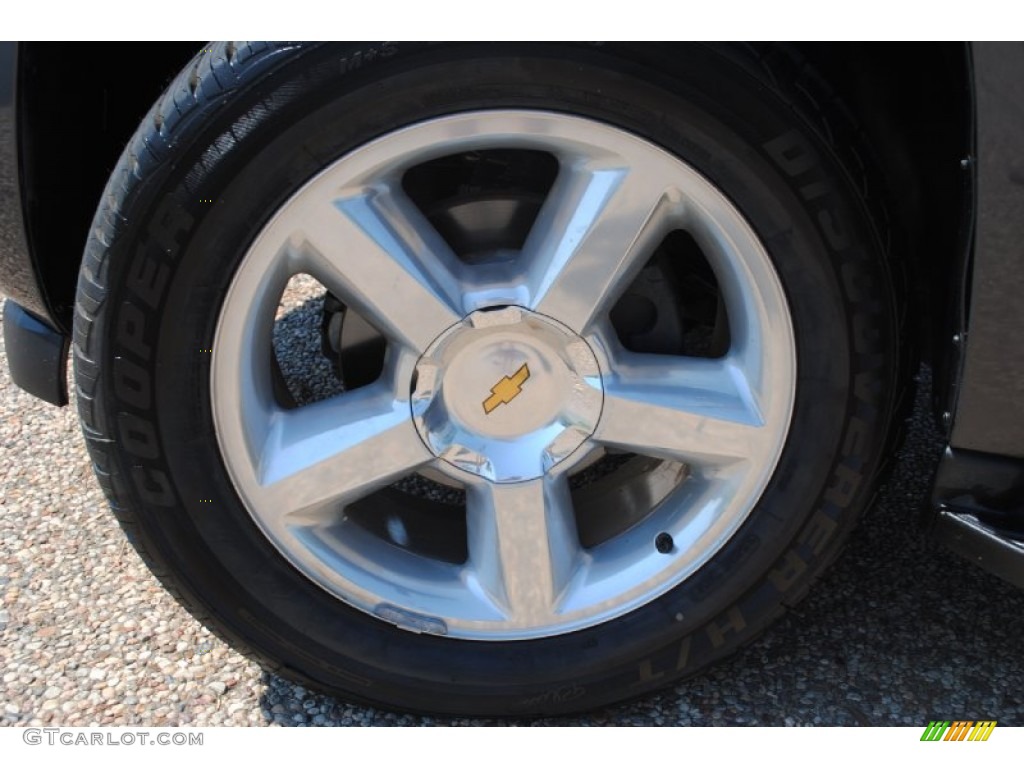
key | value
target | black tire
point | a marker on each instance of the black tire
(247, 124)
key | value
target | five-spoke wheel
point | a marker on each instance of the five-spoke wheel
(456, 332)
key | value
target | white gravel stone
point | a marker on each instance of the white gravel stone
(879, 625)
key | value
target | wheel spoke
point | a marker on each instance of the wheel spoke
(333, 452)
(594, 233)
(523, 546)
(378, 253)
(697, 411)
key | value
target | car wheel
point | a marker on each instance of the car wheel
(613, 349)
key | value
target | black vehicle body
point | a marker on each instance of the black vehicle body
(946, 121)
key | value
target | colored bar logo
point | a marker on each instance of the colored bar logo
(958, 730)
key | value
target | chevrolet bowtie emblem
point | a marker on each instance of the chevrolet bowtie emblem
(507, 390)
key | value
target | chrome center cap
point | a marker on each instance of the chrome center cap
(506, 394)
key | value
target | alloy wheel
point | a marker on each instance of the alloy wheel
(505, 377)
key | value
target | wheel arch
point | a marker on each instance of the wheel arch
(80, 103)
(916, 106)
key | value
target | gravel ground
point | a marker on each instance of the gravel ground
(897, 633)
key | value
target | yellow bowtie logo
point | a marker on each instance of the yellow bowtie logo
(507, 390)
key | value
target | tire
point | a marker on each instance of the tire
(172, 348)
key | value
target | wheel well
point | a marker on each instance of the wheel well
(915, 106)
(80, 103)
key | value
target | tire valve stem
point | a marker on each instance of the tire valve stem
(663, 543)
